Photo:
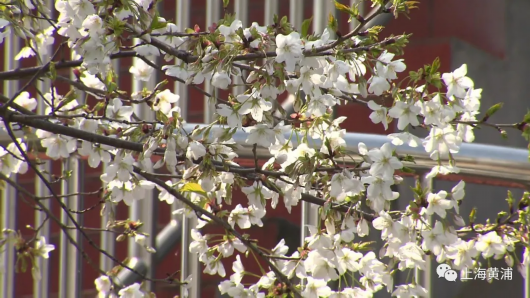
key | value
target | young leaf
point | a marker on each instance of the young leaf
(492, 110)
(305, 26)
(193, 187)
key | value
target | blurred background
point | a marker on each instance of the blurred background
(491, 36)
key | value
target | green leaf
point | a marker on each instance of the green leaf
(53, 71)
(526, 118)
(407, 170)
(193, 187)
(332, 23)
(510, 200)
(473, 215)
(492, 110)
(305, 26)
(435, 65)
(342, 7)
(225, 3)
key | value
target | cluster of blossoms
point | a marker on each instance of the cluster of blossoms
(308, 148)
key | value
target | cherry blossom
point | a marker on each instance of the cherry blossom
(288, 49)
(457, 82)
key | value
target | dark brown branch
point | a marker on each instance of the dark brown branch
(18, 74)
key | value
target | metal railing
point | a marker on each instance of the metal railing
(490, 162)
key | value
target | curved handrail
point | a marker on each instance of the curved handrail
(499, 162)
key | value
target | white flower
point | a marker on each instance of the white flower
(239, 270)
(164, 100)
(383, 162)
(411, 256)
(226, 248)
(24, 100)
(252, 103)
(199, 244)
(441, 141)
(436, 238)
(232, 117)
(441, 169)
(401, 138)
(95, 154)
(289, 49)
(195, 150)
(319, 104)
(93, 26)
(379, 192)
(458, 193)
(221, 80)
(132, 291)
(438, 203)
(121, 167)
(347, 260)
(13, 162)
(260, 134)
(378, 85)
(164, 194)
(255, 215)
(462, 253)
(41, 248)
(230, 32)
(316, 288)
(321, 263)
(406, 112)
(457, 82)
(378, 114)
(385, 224)
(118, 111)
(409, 291)
(490, 244)
(103, 286)
(343, 184)
(213, 265)
(240, 216)
(141, 71)
(387, 68)
(58, 146)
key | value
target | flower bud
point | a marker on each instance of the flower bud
(398, 180)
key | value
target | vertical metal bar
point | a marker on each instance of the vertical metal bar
(69, 277)
(527, 280)
(296, 13)
(7, 280)
(182, 22)
(320, 16)
(271, 8)
(41, 287)
(189, 261)
(241, 11)
(321, 11)
(144, 209)
(75, 203)
(425, 279)
(63, 242)
(213, 14)
(108, 240)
